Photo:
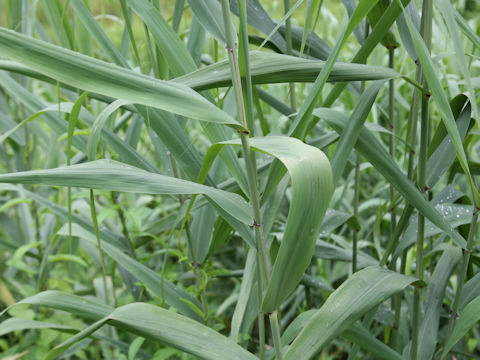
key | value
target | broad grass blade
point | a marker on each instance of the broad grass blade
(311, 176)
(361, 292)
(112, 175)
(98, 76)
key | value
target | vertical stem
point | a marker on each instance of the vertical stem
(288, 38)
(391, 115)
(97, 234)
(422, 184)
(355, 212)
(463, 272)
(263, 275)
(277, 343)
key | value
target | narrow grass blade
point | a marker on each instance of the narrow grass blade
(260, 20)
(440, 98)
(15, 324)
(378, 32)
(174, 296)
(448, 14)
(209, 14)
(98, 126)
(376, 154)
(300, 124)
(467, 30)
(468, 318)
(434, 300)
(60, 349)
(361, 292)
(270, 68)
(112, 175)
(89, 22)
(77, 305)
(351, 132)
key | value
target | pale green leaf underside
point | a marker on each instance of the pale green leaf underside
(269, 68)
(97, 76)
(116, 176)
(312, 188)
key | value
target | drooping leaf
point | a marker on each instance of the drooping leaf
(312, 184)
(98, 76)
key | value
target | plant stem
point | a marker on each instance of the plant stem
(288, 38)
(422, 184)
(463, 272)
(355, 212)
(97, 234)
(391, 115)
(262, 259)
(276, 335)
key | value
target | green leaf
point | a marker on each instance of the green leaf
(112, 175)
(98, 126)
(467, 319)
(175, 330)
(435, 293)
(167, 40)
(77, 305)
(209, 14)
(98, 76)
(164, 289)
(351, 132)
(166, 327)
(300, 124)
(361, 292)
(311, 176)
(15, 324)
(440, 98)
(270, 68)
(369, 147)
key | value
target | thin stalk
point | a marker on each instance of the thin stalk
(463, 272)
(244, 61)
(262, 259)
(391, 115)
(123, 222)
(277, 342)
(422, 184)
(198, 280)
(407, 212)
(355, 212)
(288, 38)
(97, 234)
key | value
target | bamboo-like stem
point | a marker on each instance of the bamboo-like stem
(355, 212)
(407, 212)
(262, 259)
(277, 342)
(288, 38)
(391, 115)
(422, 184)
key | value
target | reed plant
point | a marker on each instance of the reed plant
(239, 179)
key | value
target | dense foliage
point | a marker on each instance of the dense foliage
(239, 179)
